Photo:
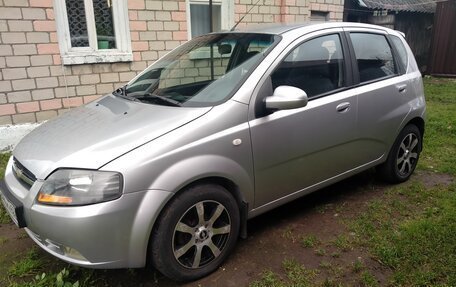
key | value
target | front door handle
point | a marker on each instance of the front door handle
(401, 88)
(343, 107)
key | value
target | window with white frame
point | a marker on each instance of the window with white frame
(93, 31)
(198, 16)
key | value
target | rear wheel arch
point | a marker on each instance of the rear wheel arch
(420, 124)
(405, 150)
(416, 121)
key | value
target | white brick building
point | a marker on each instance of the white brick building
(55, 55)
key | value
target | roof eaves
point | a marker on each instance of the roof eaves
(423, 6)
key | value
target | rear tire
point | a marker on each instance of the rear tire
(403, 156)
(195, 233)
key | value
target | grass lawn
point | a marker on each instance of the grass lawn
(407, 230)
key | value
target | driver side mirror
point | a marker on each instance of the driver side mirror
(286, 98)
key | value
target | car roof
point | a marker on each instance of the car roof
(279, 29)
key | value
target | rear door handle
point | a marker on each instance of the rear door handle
(401, 88)
(343, 107)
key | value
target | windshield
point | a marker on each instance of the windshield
(203, 72)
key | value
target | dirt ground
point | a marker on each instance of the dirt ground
(272, 238)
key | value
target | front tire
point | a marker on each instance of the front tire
(195, 232)
(404, 155)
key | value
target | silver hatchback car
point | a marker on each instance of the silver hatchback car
(169, 168)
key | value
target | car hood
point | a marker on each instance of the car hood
(93, 135)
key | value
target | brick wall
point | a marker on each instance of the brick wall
(286, 11)
(35, 86)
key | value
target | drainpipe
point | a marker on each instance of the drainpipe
(210, 17)
(211, 29)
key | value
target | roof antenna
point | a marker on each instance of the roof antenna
(240, 20)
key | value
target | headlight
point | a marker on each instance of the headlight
(80, 187)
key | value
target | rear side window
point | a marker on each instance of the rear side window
(401, 51)
(373, 55)
(315, 66)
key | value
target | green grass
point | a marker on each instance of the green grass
(3, 240)
(368, 279)
(268, 279)
(320, 251)
(288, 234)
(342, 242)
(295, 275)
(335, 254)
(420, 246)
(309, 241)
(4, 217)
(325, 264)
(60, 279)
(3, 161)
(358, 265)
(27, 265)
(440, 134)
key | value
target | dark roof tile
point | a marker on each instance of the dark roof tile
(425, 6)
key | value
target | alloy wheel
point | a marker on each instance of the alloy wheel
(407, 155)
(201, 234)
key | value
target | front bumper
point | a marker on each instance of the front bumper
(112, 234)
(97, 236)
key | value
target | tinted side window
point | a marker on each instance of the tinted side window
(402, 52)
(316, 66)
(373, 55)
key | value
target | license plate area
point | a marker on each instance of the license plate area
(12, 206)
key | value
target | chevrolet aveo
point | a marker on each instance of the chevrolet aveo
(169, 168)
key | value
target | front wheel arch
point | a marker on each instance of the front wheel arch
(161, 240)
(226, 183)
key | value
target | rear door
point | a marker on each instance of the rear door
(295, 149)
(383, 90)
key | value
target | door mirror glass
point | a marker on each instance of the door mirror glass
(224, 49)
(286, 98)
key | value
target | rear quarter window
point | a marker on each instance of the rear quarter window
(373, 56)
(401, 51)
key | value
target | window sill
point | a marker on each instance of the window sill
(96, 57)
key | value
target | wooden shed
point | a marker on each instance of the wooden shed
(442, 61)
(414, 18)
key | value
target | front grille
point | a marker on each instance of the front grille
(24, 175)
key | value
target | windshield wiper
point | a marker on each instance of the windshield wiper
(168, 101)
(122, 93)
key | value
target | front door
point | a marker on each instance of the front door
(295, 149)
